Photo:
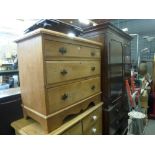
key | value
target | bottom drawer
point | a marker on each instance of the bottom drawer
(95, 129)
(91, 119)
(74, 130)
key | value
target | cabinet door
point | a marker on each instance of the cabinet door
(127, 60)
(116, 67)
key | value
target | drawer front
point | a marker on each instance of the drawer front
(91, 119)
(65, 95)
(95, 129)
(74, 130)
(60, 49)
(59, 71)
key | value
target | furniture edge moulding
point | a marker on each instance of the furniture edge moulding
(42, 31)
(30, 127)
(55, 120)
(107, 26)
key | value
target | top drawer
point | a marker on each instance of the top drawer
(61, 50)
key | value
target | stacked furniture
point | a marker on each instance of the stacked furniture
(55, 25)
(60, 79)
(115, 68)
(87, 123)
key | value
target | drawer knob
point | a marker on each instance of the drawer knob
(92, 53)
(94, 118)
(94, 130)
(62, 50)
(64, 97)
(93, 68)
(64, 72)
(93, 87)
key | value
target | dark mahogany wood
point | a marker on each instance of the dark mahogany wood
(115, 68)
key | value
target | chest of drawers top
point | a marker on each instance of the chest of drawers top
(56, 34)
(55, 44)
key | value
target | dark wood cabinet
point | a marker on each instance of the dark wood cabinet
(10, 109)
(115, 68)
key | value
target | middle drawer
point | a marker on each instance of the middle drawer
(65, 95)
(60, 71)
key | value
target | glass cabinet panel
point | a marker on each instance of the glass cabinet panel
(116, 52)
(116, 68)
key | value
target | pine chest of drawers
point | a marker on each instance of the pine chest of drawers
(59, 76)
(87, 123)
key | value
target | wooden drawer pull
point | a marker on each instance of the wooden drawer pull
(94, 118)
(62, 50)
(94, 130)
(93, 68)
(64, 72)
(93, 87)
(64, 97)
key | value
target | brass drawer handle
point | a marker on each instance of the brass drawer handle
(92, 53)
(94, 130)
(93, 68)
(64, 97)
(94, 118)
(64, 72)
(62, 50)
(93, 87)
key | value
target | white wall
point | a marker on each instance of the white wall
(7, 45)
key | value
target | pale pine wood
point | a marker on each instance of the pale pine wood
(31, 71)
(42, 88)
(55, 120)
(80, 117)
(74, 130)
(31, 127)
(52, 48)
(56, 34)
(60, 71)
(75, 92)
(97, 126)
(89, 121)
